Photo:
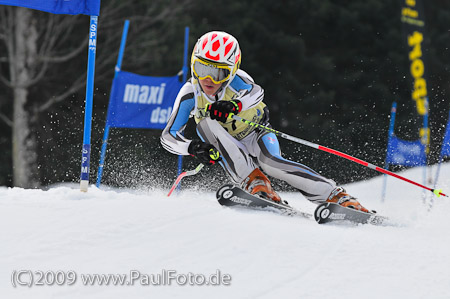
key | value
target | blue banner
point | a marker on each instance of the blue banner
(142, 102)
(67, 7)
(445, 150)
(406, 153)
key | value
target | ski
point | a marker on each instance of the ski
(232, 196)
(332, 213)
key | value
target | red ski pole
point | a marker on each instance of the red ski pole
(437, 192)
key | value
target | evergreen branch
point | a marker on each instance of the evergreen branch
(6, 119)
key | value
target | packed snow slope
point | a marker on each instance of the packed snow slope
(265, 255)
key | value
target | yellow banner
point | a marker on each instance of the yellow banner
(414, 26)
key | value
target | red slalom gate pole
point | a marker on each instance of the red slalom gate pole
(437, 192)
(182, 175)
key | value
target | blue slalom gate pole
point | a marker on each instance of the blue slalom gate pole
(441, 154)
(425, 142)
(441, 157)
(86, 151)
(185, 55)
(107, 126)
(436, 177)
(391, 133)
(185, 70)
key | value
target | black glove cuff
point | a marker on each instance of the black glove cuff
(205, 152)
(194, 146)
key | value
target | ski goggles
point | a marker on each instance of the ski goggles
(218, 73)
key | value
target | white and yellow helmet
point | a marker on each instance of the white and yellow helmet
(216, 55)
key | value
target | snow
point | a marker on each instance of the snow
(266, 255)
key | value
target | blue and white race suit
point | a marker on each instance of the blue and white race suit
(242, 147)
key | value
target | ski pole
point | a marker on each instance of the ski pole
(437, 192)
(183, 174)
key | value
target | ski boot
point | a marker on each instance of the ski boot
(258, 184)
(339, 196)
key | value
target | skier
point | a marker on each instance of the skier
(219, 87)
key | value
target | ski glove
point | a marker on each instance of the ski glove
(220, 110)
(205, 152)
